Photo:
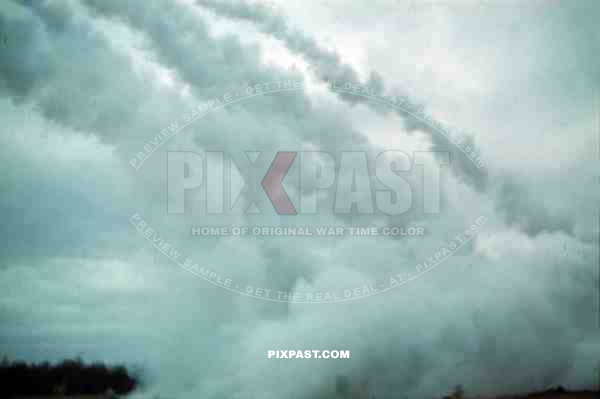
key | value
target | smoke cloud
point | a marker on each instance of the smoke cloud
(85, 85)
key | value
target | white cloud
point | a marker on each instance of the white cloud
(507, 312)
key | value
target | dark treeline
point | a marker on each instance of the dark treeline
(71, 377)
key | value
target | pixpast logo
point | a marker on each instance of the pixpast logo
(318, 171)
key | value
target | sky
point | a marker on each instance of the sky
(86, 85)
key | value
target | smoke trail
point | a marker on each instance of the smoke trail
(327, 66)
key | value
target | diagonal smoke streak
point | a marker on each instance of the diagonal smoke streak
(519, 210)
(22, 74)
(328, 66)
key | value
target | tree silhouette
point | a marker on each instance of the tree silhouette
(71, 377)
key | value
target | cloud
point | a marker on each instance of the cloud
(328, 66)
(509, 311)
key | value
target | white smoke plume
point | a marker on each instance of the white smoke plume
(86, 84)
